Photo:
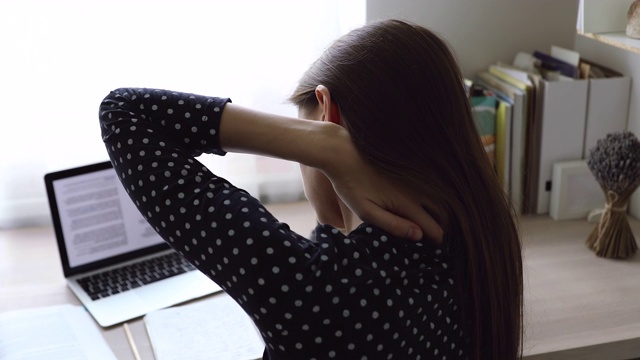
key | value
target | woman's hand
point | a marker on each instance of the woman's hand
(375, 198)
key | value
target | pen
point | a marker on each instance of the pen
(134, 348)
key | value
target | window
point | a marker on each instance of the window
(60, 58)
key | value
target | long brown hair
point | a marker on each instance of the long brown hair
(401, 97)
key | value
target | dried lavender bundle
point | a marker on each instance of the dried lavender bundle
(615, 163)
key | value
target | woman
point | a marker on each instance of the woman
(391, 132)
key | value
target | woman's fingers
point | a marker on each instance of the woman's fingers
(413, 212)
(392, 210)
(387, 203)
(392, 223)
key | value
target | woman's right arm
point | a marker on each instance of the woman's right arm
(328, 147)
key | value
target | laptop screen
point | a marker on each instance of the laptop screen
(94, 217)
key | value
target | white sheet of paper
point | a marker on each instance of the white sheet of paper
(566, 55)
(61, 332)
(215, 328)
(520, 75)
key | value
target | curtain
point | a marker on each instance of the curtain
(60, 58)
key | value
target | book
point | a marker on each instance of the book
(532, 123)
(534, 143)
(568, 56)
(484, 108)
(551, 63)
(214, 328)
(518, 100)
(502, 89)
(515, 77)
(58, 332)
(503, 144)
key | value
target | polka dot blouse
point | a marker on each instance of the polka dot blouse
(365, 295)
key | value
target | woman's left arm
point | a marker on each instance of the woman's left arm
(322, 145)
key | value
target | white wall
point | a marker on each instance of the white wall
(605, 16)
(58, 59)
(483, 32)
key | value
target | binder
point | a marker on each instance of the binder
(563, 122)
(518, 147)
(608, 109)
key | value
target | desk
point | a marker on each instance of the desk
(31, 275)
(577, 306)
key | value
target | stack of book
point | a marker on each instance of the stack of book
(549, 107)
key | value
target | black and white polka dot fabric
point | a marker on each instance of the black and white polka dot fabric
(364, 295)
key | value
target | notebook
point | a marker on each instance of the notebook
(113, 261)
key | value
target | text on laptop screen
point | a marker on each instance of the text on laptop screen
(98, 218)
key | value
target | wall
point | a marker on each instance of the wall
(60, 58)
(605, 16)
(628, 63)
(483, 32)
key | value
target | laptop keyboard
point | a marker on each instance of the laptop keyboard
(114, 281)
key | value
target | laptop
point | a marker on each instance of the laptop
(113, 261)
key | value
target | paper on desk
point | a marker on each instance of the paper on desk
(61, 332)
(215, 328)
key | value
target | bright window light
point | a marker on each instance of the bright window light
(60, 58)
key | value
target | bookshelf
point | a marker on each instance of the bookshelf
(482, 33)
(606, 22)
(601, 38)
(617, 39)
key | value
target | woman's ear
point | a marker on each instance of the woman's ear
(329, 109)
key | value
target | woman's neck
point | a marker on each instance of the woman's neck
(350, 220)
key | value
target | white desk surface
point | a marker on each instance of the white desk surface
(577, 306)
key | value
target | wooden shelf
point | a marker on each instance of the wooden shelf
(617, 39)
